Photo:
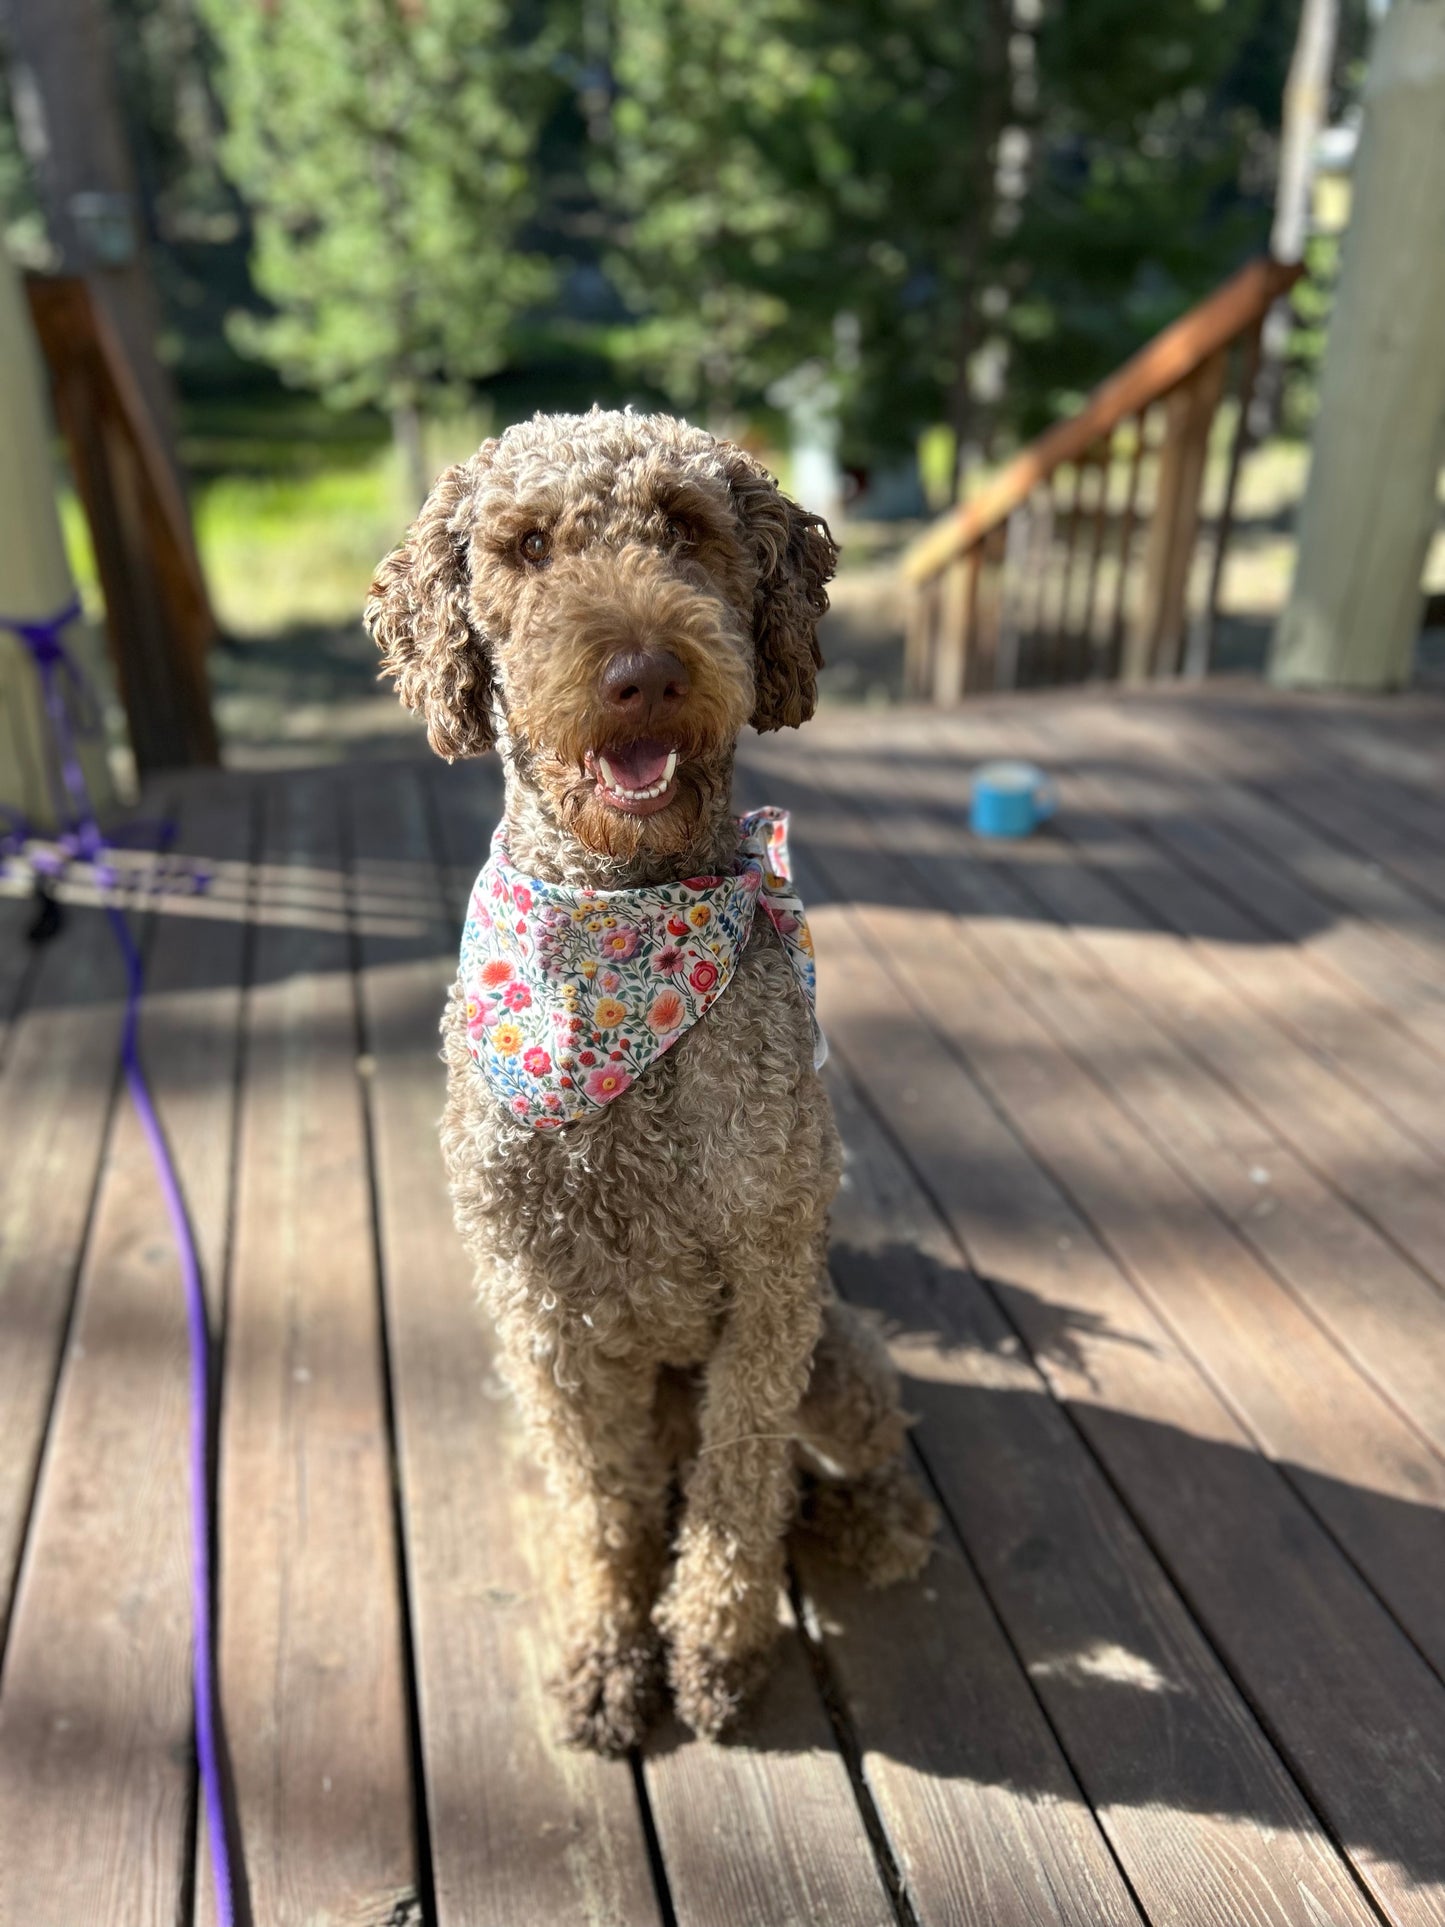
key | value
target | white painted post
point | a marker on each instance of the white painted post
(34, 575)
(1355, 608)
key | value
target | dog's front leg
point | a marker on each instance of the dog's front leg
(720, 1613)
(590, 1420)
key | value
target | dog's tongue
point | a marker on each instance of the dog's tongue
(638, 766)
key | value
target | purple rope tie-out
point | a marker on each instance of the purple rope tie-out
(70, 708)
(207, 1750)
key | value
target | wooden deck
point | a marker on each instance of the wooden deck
(1147, 1169)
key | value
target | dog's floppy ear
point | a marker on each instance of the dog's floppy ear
(418, 615)
(795, 556)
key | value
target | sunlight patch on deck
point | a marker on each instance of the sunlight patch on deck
(1105, 1660)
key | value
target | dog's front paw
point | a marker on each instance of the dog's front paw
(609, 1692)
(719, 1616)
(710, 1689)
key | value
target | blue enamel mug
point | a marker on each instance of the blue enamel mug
(1010, 799)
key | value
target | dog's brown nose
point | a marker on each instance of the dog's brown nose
(644, 685)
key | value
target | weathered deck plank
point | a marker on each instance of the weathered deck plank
(95, 1720)
(1388, 762)
(1205, 1820)
(1125, 980)
(312, 1666)
(1328, 1076)
(1326, 1667)
(1365, 1004)
(19, 962)
(1344, 1447)
(1168, 1078)
(765, 1829)
(56, 1093)
(1399, 742)
(1211, 772)
(1329, 831)
(1412, 854)
(1260, 1023)
(1131, 1690)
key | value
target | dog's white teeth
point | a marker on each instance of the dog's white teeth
(610, 782)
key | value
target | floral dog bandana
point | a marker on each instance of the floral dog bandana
(571, 993)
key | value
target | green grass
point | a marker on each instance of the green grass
(295, 505)
(275, 433)
(280, 551)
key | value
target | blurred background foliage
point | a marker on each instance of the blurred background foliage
(380, 227)
(965, 211)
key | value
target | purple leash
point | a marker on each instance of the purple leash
(71, 708)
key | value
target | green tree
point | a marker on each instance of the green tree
(1155, 134)
(1090, 169)
(1041, 184)
(383, 149)
(700, 167)
(773, 166)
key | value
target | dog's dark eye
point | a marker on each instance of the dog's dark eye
(535, 545)
(677, 531)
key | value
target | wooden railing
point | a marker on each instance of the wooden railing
(1083, 558)
(157, 612)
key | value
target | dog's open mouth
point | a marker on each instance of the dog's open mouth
(638, 778)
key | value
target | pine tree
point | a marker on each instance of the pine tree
(700, 166)
(1056, 180)
(383, 147)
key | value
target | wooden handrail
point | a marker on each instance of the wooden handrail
(133, 410)
(1160, 366)
(158, 614)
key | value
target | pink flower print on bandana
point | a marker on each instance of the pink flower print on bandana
(571, 994)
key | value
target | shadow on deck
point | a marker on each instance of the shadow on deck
(1145, 1153)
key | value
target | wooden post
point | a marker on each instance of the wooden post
(985, 616)
(1200, 649)
(1155, 645)
(1101, 460)
(1018, 534)
(918, 639)
(34, 577)
(957, 599)
(1114, 645)
(1355, 609)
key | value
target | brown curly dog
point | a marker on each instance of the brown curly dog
(587, 593)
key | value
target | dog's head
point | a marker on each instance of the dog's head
(621, 594)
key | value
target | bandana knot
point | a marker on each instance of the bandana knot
(571, 993)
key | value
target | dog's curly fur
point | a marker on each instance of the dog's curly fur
(656, 1273)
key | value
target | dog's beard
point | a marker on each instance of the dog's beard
(559, 827)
